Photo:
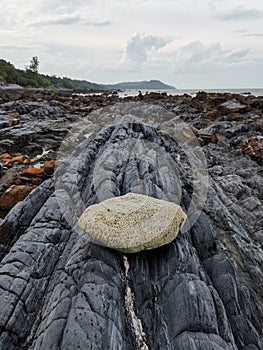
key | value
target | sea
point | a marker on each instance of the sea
(192, 92)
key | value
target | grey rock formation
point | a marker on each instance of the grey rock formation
(203, 291)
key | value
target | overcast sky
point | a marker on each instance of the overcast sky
(186, 43)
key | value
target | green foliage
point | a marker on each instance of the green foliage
(31, 78)
(8, 72)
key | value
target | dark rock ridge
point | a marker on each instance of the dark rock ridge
(203, 291)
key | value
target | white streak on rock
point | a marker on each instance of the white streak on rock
(135, 322)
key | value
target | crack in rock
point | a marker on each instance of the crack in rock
(135, 322)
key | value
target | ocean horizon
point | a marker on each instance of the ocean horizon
(242, 91)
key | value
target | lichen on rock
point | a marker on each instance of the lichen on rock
(132, 222)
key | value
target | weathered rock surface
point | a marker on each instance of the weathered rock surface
(203, 291)
(132, 222)
(13, 195)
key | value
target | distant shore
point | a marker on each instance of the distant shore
(122, 93)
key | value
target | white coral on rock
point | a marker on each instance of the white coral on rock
(132, 222)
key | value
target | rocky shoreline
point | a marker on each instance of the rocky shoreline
(33, 124)
(59, 290)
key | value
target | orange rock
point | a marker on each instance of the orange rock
(26, 161)
(34, 172)
(50, 163)
(49, 166)
(13, 122)
(5, 156)
(18, 159)
(13, 195)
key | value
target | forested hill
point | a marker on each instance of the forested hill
(31, 78)
(150, 85)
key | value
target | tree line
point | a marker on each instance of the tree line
(30, 77)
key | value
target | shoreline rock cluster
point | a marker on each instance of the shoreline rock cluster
(59, 290)
(33, 123)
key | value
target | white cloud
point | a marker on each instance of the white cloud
(140, 46)
(86, 39)
(65, 6)
(67, 19)
(240, 13)
(198, 57)
(254, 34)
(63, 19)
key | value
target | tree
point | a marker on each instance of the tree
(34, 64)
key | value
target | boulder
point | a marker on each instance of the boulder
(5, 156)
(13, 195)
(34, 172)
(133, 222)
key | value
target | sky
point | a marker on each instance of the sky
(185, 43)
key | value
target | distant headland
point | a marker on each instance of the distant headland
(146, 84)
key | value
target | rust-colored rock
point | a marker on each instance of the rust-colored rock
(13, 122)
(18, 159)
(49, 166)
(34, 172)
(13, 195)
(254, 148)
(5, 156)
